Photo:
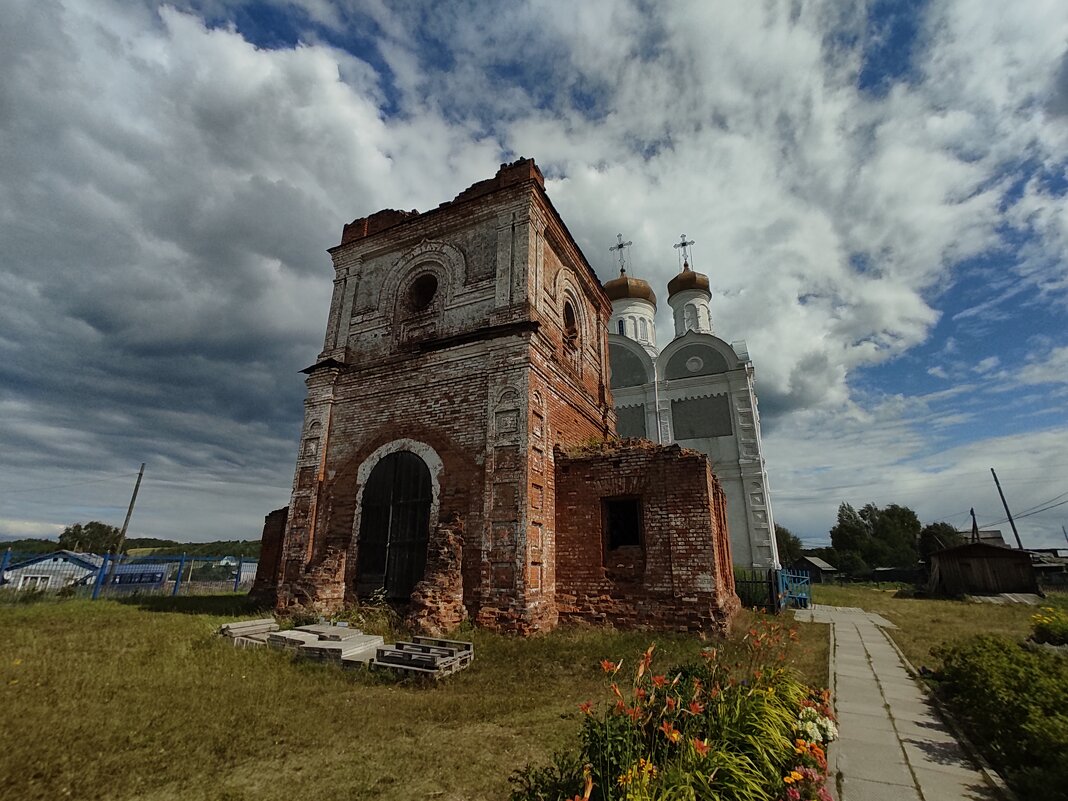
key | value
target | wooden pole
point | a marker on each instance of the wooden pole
(129, 512)
(1007, 512)
(126, 524)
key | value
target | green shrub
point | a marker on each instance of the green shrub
(1050, 625)
(1013, 702)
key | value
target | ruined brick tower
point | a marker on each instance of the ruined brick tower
(465, 354)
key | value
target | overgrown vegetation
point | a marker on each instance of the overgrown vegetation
(741, 729)
(1050, 625)
(1013, 702)
(137, 698)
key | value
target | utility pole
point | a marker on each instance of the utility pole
(125, 525)
(133, 500)
(1007, 512)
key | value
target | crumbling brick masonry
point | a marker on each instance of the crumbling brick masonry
(465, 352)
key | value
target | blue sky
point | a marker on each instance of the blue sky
(878, 192)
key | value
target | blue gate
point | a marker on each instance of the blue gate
(793, 589)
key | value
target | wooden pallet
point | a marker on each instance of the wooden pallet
(442, 658)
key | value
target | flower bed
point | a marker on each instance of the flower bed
(747, 730)
(1013, 703)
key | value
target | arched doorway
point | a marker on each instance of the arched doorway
(394, 526)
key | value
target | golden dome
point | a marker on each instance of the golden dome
(625, 287)
(687, 279)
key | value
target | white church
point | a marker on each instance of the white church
(697, 392)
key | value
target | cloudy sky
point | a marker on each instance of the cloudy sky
(878, 191)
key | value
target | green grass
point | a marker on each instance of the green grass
(139, 699)
(925, 623)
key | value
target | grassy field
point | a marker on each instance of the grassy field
(112, 700)
(925, 623)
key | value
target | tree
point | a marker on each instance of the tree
(896, 529)
(936, 536)
(851, 534)
(885, 537)
(789, 545)
(91, 537)
(851, 564)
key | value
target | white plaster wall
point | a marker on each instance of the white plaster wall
(695, 297)
(631, 311)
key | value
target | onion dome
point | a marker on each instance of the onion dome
(687, 279)
(626, 287)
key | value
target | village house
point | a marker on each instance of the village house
(459, 444)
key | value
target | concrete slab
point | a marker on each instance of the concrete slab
(330, 632)
(864, 790)
(933, 731)
(872, 735)
(856, 686)
(875, 762)
(861, 706)
(941, 786)
(945, 757)
(880, 721)
(290, 639)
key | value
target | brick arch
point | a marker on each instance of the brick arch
(451, 473)
(445, 261)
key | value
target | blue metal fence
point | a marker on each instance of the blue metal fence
(66, 573)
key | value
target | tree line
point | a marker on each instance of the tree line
(872, 536)
(99, 538)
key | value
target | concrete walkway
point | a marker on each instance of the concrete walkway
(892, 745)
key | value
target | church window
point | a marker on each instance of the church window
(422, 291)
(644, 331)
(571, 332)
(622, 328)
(622, 523)
(691, 317)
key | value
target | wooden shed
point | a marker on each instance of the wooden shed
(981, 569)
(818, 570)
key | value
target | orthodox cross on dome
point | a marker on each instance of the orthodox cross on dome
(684, 246)
(621, 246)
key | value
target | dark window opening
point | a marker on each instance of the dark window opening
(622, 328)
(623, 523)
(422, 291)
(571, 332)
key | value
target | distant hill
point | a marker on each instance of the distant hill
(243, 548)
(145, 546)
(29, 546)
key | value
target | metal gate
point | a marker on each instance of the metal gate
(794, 589)
(394, 526)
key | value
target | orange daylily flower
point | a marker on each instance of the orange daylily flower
(701, 747)
(670, 732)
(586, 707)
(696, 707)
(671, 703)
(659, 681)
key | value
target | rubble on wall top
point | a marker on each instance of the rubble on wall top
(522, 169)
(620, 446)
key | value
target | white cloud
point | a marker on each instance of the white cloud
(168, 189)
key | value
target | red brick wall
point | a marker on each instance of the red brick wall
(274, 529)
(677, 579)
